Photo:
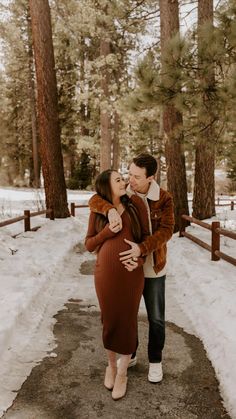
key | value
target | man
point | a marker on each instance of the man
(161, 223)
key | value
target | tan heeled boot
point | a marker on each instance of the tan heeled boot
(110, 377)
(120, 387)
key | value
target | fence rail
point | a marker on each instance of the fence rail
(214, 227)
(230, 204)
(73, 206)
(216, 232)
(26, 217)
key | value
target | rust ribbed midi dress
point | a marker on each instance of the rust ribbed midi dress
(118, 290)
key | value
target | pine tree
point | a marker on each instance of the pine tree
(172, 117)
(204, 182)
(67, 53)
(52, 164)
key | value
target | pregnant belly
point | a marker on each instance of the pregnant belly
(111, 248)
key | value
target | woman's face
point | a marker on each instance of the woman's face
(117, 185)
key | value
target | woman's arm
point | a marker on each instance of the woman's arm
(101, 206)
(94, 239)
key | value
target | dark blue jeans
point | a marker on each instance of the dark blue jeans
(154, 297)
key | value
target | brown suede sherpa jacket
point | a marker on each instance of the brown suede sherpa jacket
(162, 219)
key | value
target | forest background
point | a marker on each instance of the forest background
(86, 85)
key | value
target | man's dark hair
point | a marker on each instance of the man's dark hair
(148, 161)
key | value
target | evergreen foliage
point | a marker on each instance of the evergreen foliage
(15, 139)
(83, 172)
(137, 88)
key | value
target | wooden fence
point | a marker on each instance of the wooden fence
(214, 227)
(216, 232)
(218, 201)
(26, 217)
(231, 204)
(28, 214)
(73, 206)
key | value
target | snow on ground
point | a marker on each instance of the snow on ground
(39, 272)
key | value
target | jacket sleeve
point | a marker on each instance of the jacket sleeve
(164, 231)
(99, 205)
(94, 239)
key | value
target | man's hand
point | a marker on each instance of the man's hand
(132, 253)
(115, 220)
(130, 264)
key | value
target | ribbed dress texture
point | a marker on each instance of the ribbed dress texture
(118, 290)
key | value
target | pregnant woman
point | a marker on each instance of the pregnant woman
(119, 287)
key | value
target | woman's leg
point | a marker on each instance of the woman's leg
(123, 364)
(111, 359)
(110, 370)
(120, 384)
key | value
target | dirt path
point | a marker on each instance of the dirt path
(70, 386)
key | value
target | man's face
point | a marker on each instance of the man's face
(138, 179)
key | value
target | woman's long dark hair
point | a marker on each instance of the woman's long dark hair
(103, 188)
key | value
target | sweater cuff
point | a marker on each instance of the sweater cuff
(143, 249)
(107, 232)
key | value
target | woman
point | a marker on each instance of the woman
(119, 288)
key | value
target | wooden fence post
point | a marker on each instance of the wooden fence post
(182, 226)
(232, 205)
(27, 220)
(215, 240)
(72, 209)
(51, 214)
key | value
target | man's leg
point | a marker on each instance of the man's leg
(154, 297)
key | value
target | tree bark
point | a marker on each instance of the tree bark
(105, 118)
(35, 153)
(84, 109)
(50, 147)
(116, 143)
(204, 178)
(173, 120)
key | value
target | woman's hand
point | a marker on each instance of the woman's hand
(114, 227)
(115, 220)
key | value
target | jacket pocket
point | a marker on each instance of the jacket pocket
(156, 214)
(155, 219)
(160, 257)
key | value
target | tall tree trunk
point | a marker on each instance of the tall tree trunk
(116, 143)
(158, 173)
(105, 118)
(173, 120)
(35, 153)
(204, 180)
(160, 148)
(84, 110)
(16, 158)
(50, 147)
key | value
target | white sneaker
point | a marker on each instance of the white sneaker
(132, 362)
(155, 373)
